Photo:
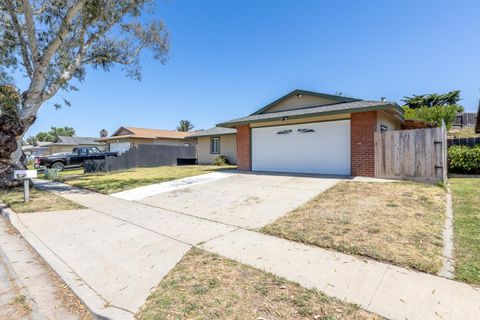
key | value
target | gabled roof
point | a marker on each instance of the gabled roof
(348, 107)
(76, 141)
(215, 131)
(297, 92)
(146, 133)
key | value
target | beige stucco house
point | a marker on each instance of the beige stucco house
(214, 142)
(66, 144)
(312, 132)
(126, 138)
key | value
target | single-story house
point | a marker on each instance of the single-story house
(40, 148)
(126, 138)
(311, 132)
(66, 144)
(214, 142)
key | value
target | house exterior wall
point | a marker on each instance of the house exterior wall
(58, 149)
(383, 118)
(228, 148)
(244, 160)
(69, 148)
(297, 103)
(363, 125)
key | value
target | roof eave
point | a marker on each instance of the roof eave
(211, 135)
(233, 124)
(306, 92)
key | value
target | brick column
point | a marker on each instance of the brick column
(362, 127)
(243, 148)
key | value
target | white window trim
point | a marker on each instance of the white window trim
(212, 151)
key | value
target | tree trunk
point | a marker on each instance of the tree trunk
(11, 155)
(13, 126)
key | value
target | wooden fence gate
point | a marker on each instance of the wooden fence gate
(419, 155)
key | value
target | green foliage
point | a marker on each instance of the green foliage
(52, 134)
(433, 107)
(103, 133)
(185, 126)
(432, 100)
(463, 159)
(9, 101)
(221, 161)
(433, 114)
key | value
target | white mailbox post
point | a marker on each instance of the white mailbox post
(25, 175)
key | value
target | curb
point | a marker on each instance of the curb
(11, 270)
(96, 305)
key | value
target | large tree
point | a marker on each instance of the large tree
(52, 134)
(53, 42)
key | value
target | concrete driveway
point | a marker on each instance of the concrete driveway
(244, 200)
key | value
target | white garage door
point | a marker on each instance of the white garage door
(119, 147)
(319, 147)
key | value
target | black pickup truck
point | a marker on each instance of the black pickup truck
(76, 158)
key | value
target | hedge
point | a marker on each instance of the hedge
(464, 159)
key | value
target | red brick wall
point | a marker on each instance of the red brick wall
(243, 148)
(363, 125)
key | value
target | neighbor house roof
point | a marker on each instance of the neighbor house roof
(146, 133)
(337, 108)
(74, 141)
(215, 131)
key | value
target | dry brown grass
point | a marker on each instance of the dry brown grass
(39, 201)
(206, 286)
(397, 222)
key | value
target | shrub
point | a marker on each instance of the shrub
(433, 114)
(463, 159)
(221, 161)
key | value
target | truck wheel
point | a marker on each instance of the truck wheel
(58, 166)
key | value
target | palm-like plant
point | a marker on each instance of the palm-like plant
(185, 126)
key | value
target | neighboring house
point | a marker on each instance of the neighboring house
(214, 142)
(126, 138)
(465, 120)
(66, 144)
(310, 132)
(36, 150)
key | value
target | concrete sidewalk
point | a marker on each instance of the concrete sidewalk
(112, 234)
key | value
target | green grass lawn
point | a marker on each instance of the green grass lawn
(39, 201)
(466, 219)
(112, 182)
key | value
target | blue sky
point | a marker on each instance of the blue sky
(229, 58)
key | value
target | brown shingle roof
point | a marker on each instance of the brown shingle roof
(147, 133)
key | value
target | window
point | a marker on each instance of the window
(215, 145)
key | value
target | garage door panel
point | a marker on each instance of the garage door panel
(320, 147)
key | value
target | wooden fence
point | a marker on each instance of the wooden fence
(471, 142)
(145, 155)
(419, 155)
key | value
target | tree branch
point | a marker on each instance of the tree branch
(23, 45)
(31, 33)
(69, 72)
(62, 32)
